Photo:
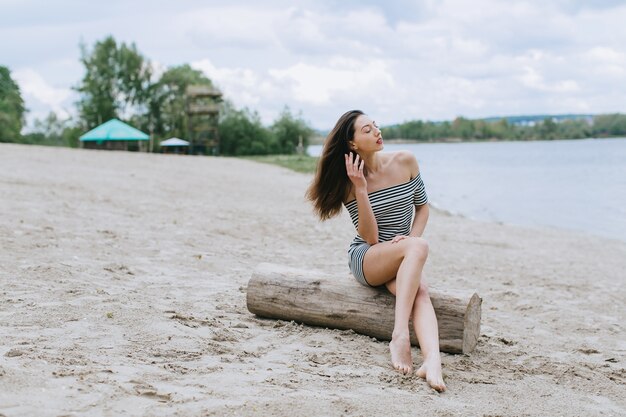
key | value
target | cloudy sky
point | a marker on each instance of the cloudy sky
(396, 60)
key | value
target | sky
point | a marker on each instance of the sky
(395, 60)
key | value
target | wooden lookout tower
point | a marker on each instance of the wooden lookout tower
(202, 108)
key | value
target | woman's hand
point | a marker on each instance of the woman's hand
(354, 167)
(398, 238)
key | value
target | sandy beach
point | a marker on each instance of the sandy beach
(123, 286)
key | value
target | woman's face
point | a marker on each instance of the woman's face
(367, 135)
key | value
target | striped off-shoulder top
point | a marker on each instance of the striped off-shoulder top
(393, 209)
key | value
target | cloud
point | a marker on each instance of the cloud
(232, 27)
(533, 79)
(318, 85)
(608, 62)
(300, 85)
(400, 59)
(577, 6)
(536, 64)
(35, 88)
(242, 85)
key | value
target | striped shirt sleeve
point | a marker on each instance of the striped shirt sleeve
(419, 196)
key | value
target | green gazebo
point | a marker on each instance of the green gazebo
(115, 135)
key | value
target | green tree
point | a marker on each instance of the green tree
(391, 132)
(47, 131)
(241, 133)
(609, 125)
(53, 131)
(573, 129)
(462, 128)
(116, 82)
(11, 108)
(166, 103)
(431, 131)
(289, 130)
(482, 130)
(547, 129)
(501, 129)
(442, 130)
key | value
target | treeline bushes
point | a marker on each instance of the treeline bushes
(119, 82)
(461, 128)
(53, 131)
(242, 133)
(609, 125)
(11, 108)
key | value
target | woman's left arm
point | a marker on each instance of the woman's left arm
(421, 218)
(421, 210)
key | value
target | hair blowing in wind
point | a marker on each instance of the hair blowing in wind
(331, 183)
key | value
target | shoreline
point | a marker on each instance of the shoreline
(537, 228)
(401, 141)
(123, 292)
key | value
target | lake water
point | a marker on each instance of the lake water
(571, 184)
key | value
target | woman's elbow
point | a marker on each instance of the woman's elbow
(370, 238)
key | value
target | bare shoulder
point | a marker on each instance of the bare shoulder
(407, 160)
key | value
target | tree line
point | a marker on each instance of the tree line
(605, 125)
(120, 82)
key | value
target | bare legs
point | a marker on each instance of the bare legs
(407, 284)
(399, 265)
(425, 327)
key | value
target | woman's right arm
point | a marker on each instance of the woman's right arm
(367, 228)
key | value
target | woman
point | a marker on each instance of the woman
(385, 197)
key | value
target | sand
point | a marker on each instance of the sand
(123, 283)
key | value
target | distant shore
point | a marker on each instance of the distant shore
(318, 140)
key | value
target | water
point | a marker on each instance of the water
(572, 184)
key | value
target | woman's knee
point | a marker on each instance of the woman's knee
(417, 246)
(422, 291)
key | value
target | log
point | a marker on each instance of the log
(319, 299)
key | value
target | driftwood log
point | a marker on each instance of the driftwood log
(315, 298)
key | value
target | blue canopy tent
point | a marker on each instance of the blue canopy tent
(114, 135)
(175, 145)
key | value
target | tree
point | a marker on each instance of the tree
(501, 129)
(11, 108)
(53, 131)
(482, 130)
(462, 128)
(573, 129)
(547, 129)
(415, 130)
(241, 133)
(116, 82)
(609, 125)
(166, 102)
(289, 130)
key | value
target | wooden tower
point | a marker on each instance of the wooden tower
(202, 108)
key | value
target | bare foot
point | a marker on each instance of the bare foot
(400, 348)
(431, 372)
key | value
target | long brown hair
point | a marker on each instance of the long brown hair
(331, 182)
